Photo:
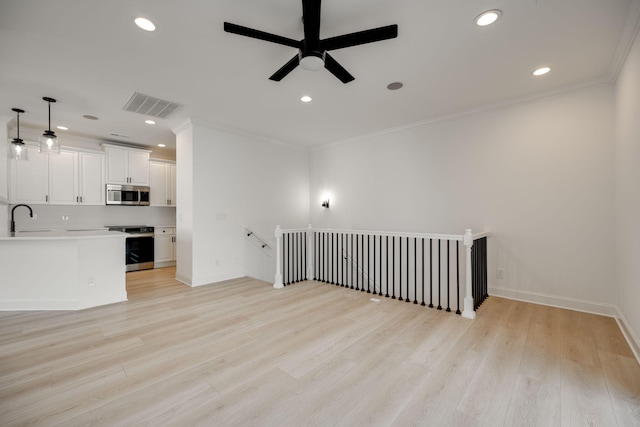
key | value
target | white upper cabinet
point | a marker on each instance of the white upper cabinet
(29, 178)
(162, 183)
(63, 178)
(91, 189)
(127, 165)
(70, 178)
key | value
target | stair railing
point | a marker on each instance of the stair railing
(403, 265)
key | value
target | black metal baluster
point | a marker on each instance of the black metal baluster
(357, 265)
(422, 259)
(335, 259)
(415, 270)
(351, 258)
(374, 266)
(343, 258)
(387, 270)
(306, 276)
(430, 273)
(393, 267)
(289, 263)
(400, 268)
(368, 262)
(317, 252)
(362, 262)
(458, 275)
(448, 274)
(330, 258)
(322, 256)
(407, 296)
(439, 275)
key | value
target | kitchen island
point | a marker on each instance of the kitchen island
(62, 269)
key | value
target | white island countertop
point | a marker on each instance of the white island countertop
(61, 234)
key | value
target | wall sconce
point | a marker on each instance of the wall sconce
(49, 142)
(18, 149)
(325, 204)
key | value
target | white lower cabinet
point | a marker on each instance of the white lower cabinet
(164, 246)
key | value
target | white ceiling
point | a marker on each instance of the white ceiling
(91, 57)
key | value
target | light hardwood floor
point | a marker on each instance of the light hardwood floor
(241, 353)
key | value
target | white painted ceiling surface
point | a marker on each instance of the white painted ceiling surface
(89, 55)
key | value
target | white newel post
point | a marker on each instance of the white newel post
(468, 312)
(310, 253)
(278, 279)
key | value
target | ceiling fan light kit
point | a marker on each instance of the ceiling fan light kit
(312, 51)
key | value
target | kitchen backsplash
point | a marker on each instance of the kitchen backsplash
(51, 216)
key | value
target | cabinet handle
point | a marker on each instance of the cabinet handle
(81, 201)
(46, 198)
(77, 199)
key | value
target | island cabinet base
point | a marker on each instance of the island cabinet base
(63, 273)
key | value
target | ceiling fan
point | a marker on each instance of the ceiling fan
(313, 53)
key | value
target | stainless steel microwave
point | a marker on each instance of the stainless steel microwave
(127, 195)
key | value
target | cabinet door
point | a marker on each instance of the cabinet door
(63, 178)
(158, 183)
(139, 167)
(117, 166)
(29, 178)
(91, 179)
(172, 185)
(163, 248)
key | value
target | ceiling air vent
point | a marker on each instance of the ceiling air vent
(150, 106)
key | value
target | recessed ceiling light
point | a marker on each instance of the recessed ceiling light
(62, 127)
(150, 122)
(161, 145)
(145, 24)
(394, 86)
(90, 117)
(541, 71)
(306, 98)
(488, 17)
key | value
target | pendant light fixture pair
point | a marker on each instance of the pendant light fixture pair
(49, 142)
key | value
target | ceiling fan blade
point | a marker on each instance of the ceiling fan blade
(360, 37)
(311, 21)
(285, 69)
(336, 69)
(260, 35)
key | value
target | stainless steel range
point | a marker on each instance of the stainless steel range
(139, 246)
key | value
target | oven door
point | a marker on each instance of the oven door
(139, 251)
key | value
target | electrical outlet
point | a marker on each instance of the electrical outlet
(91, 281)
(500, 273)
(65, 217)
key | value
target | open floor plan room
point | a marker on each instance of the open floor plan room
(242, 353)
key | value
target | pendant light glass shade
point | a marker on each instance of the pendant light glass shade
(49, 142)
(18, 149)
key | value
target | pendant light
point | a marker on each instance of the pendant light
(49, 141)
(18, 149)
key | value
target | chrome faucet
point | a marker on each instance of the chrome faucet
(13, 223)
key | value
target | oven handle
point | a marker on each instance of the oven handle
(136, 235)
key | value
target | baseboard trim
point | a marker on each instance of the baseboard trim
(60, 305)
(574, 304)
(629, 335)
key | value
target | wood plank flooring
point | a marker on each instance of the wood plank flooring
(240, 353)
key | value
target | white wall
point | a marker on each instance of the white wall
(627, 155)
(237, 181)
(539, 176)
(4, 174)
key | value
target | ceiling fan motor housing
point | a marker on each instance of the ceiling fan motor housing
(311, 61)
